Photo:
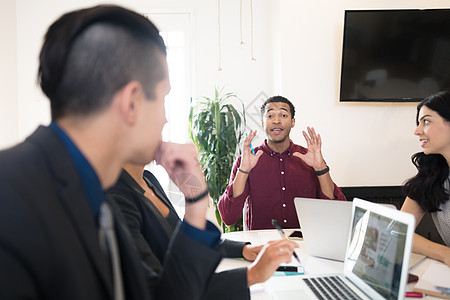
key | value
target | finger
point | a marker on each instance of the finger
(179, 158)
(286, 250)
(248, 139)
(158, 152)
(278, 245)
(163, 159)
(319, 141)
(252, 135)
(248, 136)
(287, 258)
(299, 155)
(284, 255)
(174, 152)
(312, 134)
(308, 140)
(258, 154)
(273, 247)
(287, 244)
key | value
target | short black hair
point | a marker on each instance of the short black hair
(277, 99)
(90, 54)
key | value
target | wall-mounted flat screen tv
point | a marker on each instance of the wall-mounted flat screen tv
(395, 55)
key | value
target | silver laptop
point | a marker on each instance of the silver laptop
(325, 220)
(325, 225)
(377, 257)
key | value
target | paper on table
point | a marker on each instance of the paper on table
(290, 294)
(437, 274)
(269, 235)
(257, 288)
(414, 259)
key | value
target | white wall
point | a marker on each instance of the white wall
(297, 50)
(364, 144)
(29, 107)
(8, 74)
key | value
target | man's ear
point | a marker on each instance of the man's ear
(293, 123)
(130, 97)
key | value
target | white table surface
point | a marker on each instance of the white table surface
(313, 265)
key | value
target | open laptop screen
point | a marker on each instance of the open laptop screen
(376, 250)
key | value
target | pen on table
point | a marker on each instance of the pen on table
(414, 295)
(281, 232)
(251, 147)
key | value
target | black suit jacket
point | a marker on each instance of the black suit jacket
(49, 246)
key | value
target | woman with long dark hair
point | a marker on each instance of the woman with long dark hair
(429, 189)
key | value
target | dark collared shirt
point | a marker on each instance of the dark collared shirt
(271, 188)
(89, 179)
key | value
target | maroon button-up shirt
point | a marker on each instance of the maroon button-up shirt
(271, 188)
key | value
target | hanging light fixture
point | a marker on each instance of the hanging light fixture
(219, 68)
(251, 27)
(220, 46)
(242, 40)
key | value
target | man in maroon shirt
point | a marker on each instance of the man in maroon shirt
(279, 170)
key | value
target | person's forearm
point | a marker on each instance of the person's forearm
(326, 185)
(431, 249)
(239, 184)
(195, 213)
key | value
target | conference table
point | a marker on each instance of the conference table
(289, 286)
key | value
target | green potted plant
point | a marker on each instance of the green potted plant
(216, 127)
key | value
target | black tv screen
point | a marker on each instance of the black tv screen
(395, 55)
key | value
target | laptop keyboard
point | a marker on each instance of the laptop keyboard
(330, 287)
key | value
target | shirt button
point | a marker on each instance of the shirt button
(285, 221)
(284, 204)
(283, 188)
(281, 159)
(282, 172)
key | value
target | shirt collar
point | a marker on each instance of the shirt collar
(89, 179)
(129, 181)
(269, 151)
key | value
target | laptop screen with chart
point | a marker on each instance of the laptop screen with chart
(376, 260)
(379, 249)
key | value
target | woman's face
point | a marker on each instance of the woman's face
(433, 132)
